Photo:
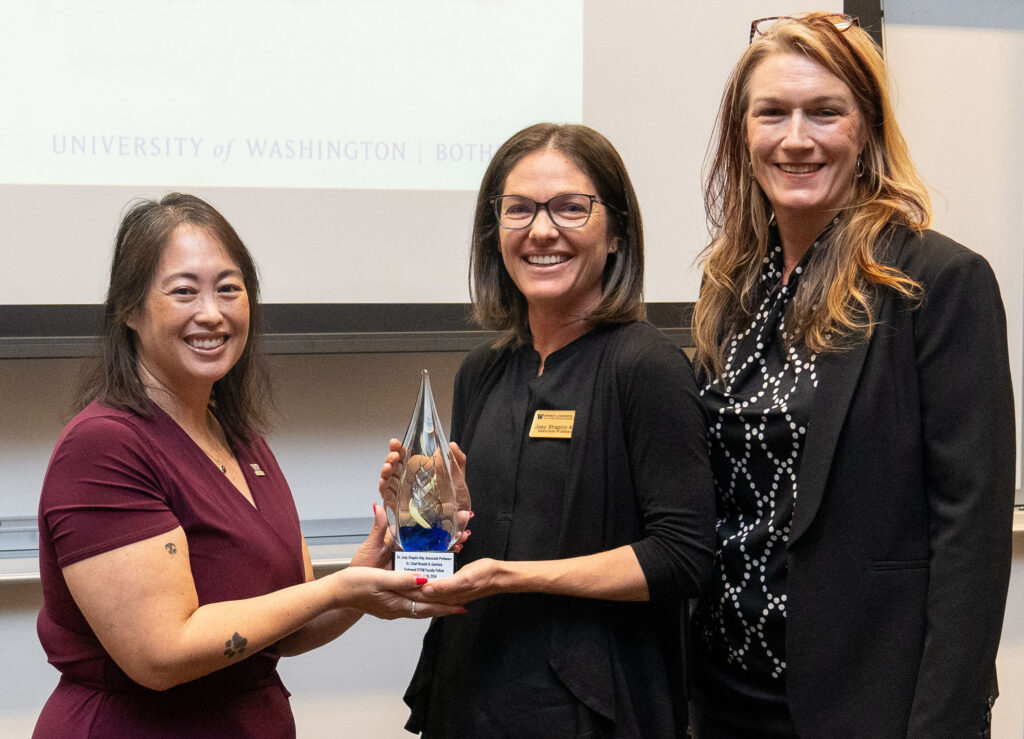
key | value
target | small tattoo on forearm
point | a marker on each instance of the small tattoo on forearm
(171, 549)
(235, 646)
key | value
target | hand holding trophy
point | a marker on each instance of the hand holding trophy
(425, 494)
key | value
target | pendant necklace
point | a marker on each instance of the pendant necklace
(216, 460)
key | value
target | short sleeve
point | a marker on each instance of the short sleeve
(101, 490)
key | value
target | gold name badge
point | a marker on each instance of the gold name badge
(552, 424)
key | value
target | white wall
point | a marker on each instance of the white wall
(1008, 715)
(959, 70)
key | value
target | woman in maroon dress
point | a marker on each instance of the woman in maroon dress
(174, 572)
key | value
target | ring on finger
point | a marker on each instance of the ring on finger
(412, 608)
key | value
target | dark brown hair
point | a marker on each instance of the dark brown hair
(241, 397)
(497, 303)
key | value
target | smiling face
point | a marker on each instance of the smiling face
(558, 270)
(194, 323)
(804, 134)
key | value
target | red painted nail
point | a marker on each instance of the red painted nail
(421, 581)
(374, 509)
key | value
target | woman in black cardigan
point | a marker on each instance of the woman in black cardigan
(855, 372)
(587, 538)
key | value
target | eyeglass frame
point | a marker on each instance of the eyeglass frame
(851, 20)
(538, 205)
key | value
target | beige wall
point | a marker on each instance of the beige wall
(333, 408)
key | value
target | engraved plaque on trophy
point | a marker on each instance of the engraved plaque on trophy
(427, 510)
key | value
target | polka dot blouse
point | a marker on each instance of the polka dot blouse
(757, 422)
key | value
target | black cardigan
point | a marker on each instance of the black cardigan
(638, 474)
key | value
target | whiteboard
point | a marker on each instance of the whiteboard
(156, 107)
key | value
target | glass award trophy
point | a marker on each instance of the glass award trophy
(426, 498)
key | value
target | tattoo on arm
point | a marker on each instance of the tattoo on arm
(171, 549)
(235, 646)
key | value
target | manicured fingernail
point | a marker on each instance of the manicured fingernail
(374, 509)
(471, 514)
(463, 610)
(421, 581)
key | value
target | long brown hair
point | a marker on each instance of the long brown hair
(241, 397)
(497, 303)
(832, 306)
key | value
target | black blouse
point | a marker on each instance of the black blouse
(537, 466)
(634, 472)
(757, 422)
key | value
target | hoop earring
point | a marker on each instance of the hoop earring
(859, 170)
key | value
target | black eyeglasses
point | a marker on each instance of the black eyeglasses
(570, 210)
(762, 26)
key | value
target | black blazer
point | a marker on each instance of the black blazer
(900, 547)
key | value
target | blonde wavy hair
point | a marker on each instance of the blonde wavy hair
(832, 305)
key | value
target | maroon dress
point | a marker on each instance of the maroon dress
(116, 478)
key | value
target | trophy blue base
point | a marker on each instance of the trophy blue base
(432, 565)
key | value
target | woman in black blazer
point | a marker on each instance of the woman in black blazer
(855, 373)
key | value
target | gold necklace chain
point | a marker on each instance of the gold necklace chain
(217, 461)
(212, 425)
